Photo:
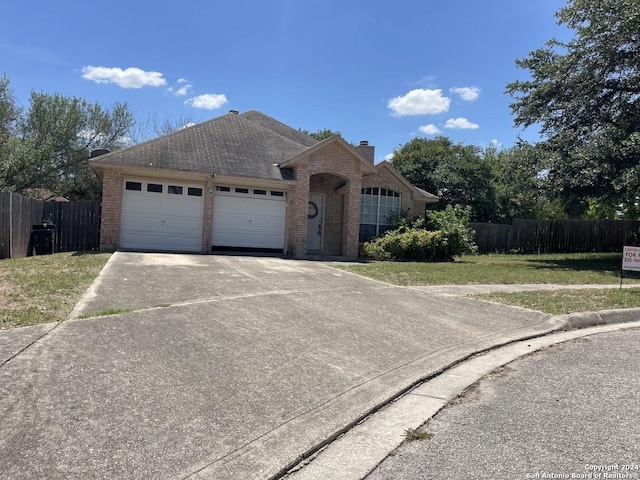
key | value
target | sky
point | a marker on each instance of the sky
(377, 70)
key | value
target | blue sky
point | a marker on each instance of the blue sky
(382, 71)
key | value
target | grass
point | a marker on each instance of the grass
(563, 269)
(414, 434)
(600, 268)
(107, 312)
(558, 302)
(45, 288)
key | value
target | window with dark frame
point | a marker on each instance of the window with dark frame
(194, 191)
(154, 187)
(377, 205)
(174, 190)
(134, 186)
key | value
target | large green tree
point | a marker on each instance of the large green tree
(584, 95)
(522, 183)
(457, 173)
(51, 143)
(9, 114)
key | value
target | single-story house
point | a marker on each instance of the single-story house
(248, 181)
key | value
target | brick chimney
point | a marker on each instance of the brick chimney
(367, 151)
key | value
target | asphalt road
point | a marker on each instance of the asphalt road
(569, 411)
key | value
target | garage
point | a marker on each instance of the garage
(164, 216)
(246, 217)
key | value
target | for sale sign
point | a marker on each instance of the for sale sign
(631, 258)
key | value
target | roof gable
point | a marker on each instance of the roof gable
(365, 166)
(419, 194)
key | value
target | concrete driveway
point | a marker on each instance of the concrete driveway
(231, 366)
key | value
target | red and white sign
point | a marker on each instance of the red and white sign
(631, 258)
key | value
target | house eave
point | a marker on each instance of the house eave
(148, 171)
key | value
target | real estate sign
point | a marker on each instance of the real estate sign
(631, 258)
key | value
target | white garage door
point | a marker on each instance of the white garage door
(158, 215)
(248, 218)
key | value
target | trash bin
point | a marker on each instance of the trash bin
(43, 239)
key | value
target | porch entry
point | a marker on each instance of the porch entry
(315, 222)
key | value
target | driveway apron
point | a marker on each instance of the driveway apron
(229, 367)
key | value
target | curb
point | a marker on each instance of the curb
(357, 452)
(574, 321)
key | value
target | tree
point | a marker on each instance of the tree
(522, 183)
(153, 127)
(320, 134)
(457, 173)
(52, 144)
(585, 96)
(9, 113)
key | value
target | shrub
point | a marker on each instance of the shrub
(439, 237)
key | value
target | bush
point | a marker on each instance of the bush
(439, 237)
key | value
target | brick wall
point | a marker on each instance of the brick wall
(111, 205)
(297, 208)
(351, 225)
(207, 223)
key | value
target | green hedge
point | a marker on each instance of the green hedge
(439, 237)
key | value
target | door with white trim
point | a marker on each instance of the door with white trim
(315, 222)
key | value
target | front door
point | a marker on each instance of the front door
(315, 224)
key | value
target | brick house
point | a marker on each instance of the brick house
(247, 181)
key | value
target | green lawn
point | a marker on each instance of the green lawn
(563, 269)
(45, 288)
(558, 302)
(502, 269)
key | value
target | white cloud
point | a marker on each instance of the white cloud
(467, 93)
(495, 143)
(388, 157)
(208, 101)
(182, 91)
(131, 77)
(182, 80)
(187, 125)
(461, 123)
(430, 129)
(419, 102)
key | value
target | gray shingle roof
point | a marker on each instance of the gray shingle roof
(280, 128)
(246, 145)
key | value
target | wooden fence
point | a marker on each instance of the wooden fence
(77, 224)
(554, 236)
